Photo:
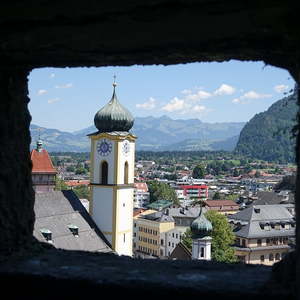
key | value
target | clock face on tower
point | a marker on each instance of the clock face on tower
(126, 147)
(104, 147)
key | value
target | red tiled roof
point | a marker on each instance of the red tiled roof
(141, 186)
(77, 182)
(212, 203)
(41, 162)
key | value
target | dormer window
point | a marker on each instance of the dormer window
(47, 234)
(74, 229)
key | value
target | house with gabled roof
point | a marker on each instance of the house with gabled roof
(264, 233)
(43, 171)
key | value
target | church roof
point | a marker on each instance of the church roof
(41, 162)
(60, 212)
(113, 116)
(201, 226)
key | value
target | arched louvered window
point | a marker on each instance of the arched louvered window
(126, 173)
(104, 172)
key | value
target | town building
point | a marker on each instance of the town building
(195, 192)
(224, 207)
(141, 195)
(155, 234)
(160, 204)
(184, 216)
(263, 233)
(43, 171)
(112, 174)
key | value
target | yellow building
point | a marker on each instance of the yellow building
(264, 233)
(154, 234)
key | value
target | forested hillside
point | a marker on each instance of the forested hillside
(268, 135)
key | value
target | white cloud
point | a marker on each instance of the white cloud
(183, 106)
(198, 96)
(41, 92)
(53, 100)
(236, 100)
(199, 108)
(174, 105)
(52, 75)
(224, 89)
(64, 86)
(148, 105)
(255, 95)
(280, 88)
(186, 92)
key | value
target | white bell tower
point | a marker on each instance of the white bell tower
(201, 230)
(112, 175)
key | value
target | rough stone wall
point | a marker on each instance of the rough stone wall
(16, 193)
(59, 33)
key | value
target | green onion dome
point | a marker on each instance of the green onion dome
(201, 227)
(113, 116)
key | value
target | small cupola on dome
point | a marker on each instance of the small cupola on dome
(113, 116)
(201, 227)
(39, 145)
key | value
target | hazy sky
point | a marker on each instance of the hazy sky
(67, 99)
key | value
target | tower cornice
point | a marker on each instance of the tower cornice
(115, 135)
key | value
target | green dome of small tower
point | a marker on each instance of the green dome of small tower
(201, 227)
(113, 116)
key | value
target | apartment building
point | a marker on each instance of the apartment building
(264, 233)
(154, 234)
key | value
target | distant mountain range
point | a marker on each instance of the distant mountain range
(268, 135)
(154, 134)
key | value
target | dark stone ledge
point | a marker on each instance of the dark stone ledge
(61, 274)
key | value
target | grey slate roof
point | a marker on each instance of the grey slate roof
(269, 198)
(159, 217)
(190, 212)
(55, 211)
(253, 216)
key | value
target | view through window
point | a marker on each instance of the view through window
(210, 157)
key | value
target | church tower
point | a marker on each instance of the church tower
(112, 174)
(201, 230)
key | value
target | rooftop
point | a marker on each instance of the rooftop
(41, 162)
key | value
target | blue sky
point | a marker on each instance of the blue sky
(68, 98)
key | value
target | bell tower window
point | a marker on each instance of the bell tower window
(126, 173)
(104, 172)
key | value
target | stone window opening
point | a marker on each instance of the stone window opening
(220, 51)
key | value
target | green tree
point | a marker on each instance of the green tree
(222, 238)
(161, 191)
(70, 169)
(236, 172)
(82, 191)
(217, 196)
(187, 239)
(80, 171)
(60, 184)
(199, 172)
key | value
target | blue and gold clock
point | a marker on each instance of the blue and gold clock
(104, 147)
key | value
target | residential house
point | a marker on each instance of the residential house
(264, 233)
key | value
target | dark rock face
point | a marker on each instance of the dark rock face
(16, 193)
